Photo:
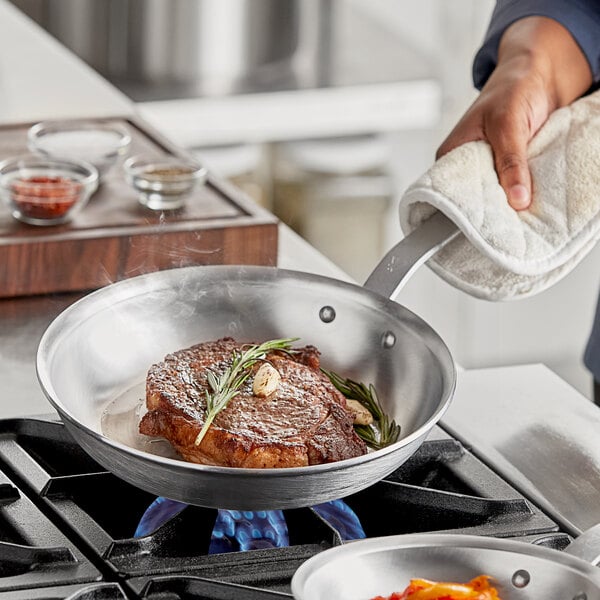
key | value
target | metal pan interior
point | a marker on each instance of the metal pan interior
(93, 359)
(380, 566)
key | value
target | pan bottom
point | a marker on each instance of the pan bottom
(120, 422)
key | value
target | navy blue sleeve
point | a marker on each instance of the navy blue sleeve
(580, 17)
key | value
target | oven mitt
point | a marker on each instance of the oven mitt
(502, 254)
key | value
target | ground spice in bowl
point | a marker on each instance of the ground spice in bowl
(160, 172)
(163, 183)
(44, 197)
(41, 191)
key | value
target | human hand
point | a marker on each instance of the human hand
(511, 108)
(540, 68)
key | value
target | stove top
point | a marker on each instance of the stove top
(67, 525)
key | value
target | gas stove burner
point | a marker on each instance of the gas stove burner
(158, 513)
(341, 518)
(239, 531)
(60, 503)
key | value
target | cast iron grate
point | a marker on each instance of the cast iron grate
(33, 551)
(88, 591)
(443, 487)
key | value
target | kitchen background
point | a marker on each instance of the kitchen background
(324, 111)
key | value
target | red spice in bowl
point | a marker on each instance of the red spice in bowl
(44, 197)
(41, 191)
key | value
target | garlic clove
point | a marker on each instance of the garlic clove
(265, 381)
(362, 415)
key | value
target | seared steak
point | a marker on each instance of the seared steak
(304, 422)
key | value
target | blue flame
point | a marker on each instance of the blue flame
(238, 531)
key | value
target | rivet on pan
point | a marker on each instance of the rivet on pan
(327, 314)
(521, 578)
(580, 596)
(388, 339)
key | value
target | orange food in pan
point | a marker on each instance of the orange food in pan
(422, 589)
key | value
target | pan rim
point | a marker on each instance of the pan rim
(61, 322)
(406, 542)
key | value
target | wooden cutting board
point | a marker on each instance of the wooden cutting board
(115, 237)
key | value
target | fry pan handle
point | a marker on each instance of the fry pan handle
(397, 266)
(586, 546)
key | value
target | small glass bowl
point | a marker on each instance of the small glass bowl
(100, 144)
(41, 191)
(163, 183)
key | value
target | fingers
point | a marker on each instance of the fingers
(507, 121)
(510, 159)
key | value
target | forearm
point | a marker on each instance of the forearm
(580, 17)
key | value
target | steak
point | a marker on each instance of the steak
(303, 422)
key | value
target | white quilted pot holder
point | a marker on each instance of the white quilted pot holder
(503, 254)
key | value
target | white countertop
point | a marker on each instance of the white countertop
(292, 115)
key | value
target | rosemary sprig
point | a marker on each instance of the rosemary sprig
(227, 385)
(385, 431)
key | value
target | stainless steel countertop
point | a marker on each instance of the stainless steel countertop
(537, 431)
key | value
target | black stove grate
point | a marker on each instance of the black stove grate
(33, 550)
(91, 515)
(87, 591)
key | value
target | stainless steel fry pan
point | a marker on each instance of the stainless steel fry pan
(93, 358)
(380, 566)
